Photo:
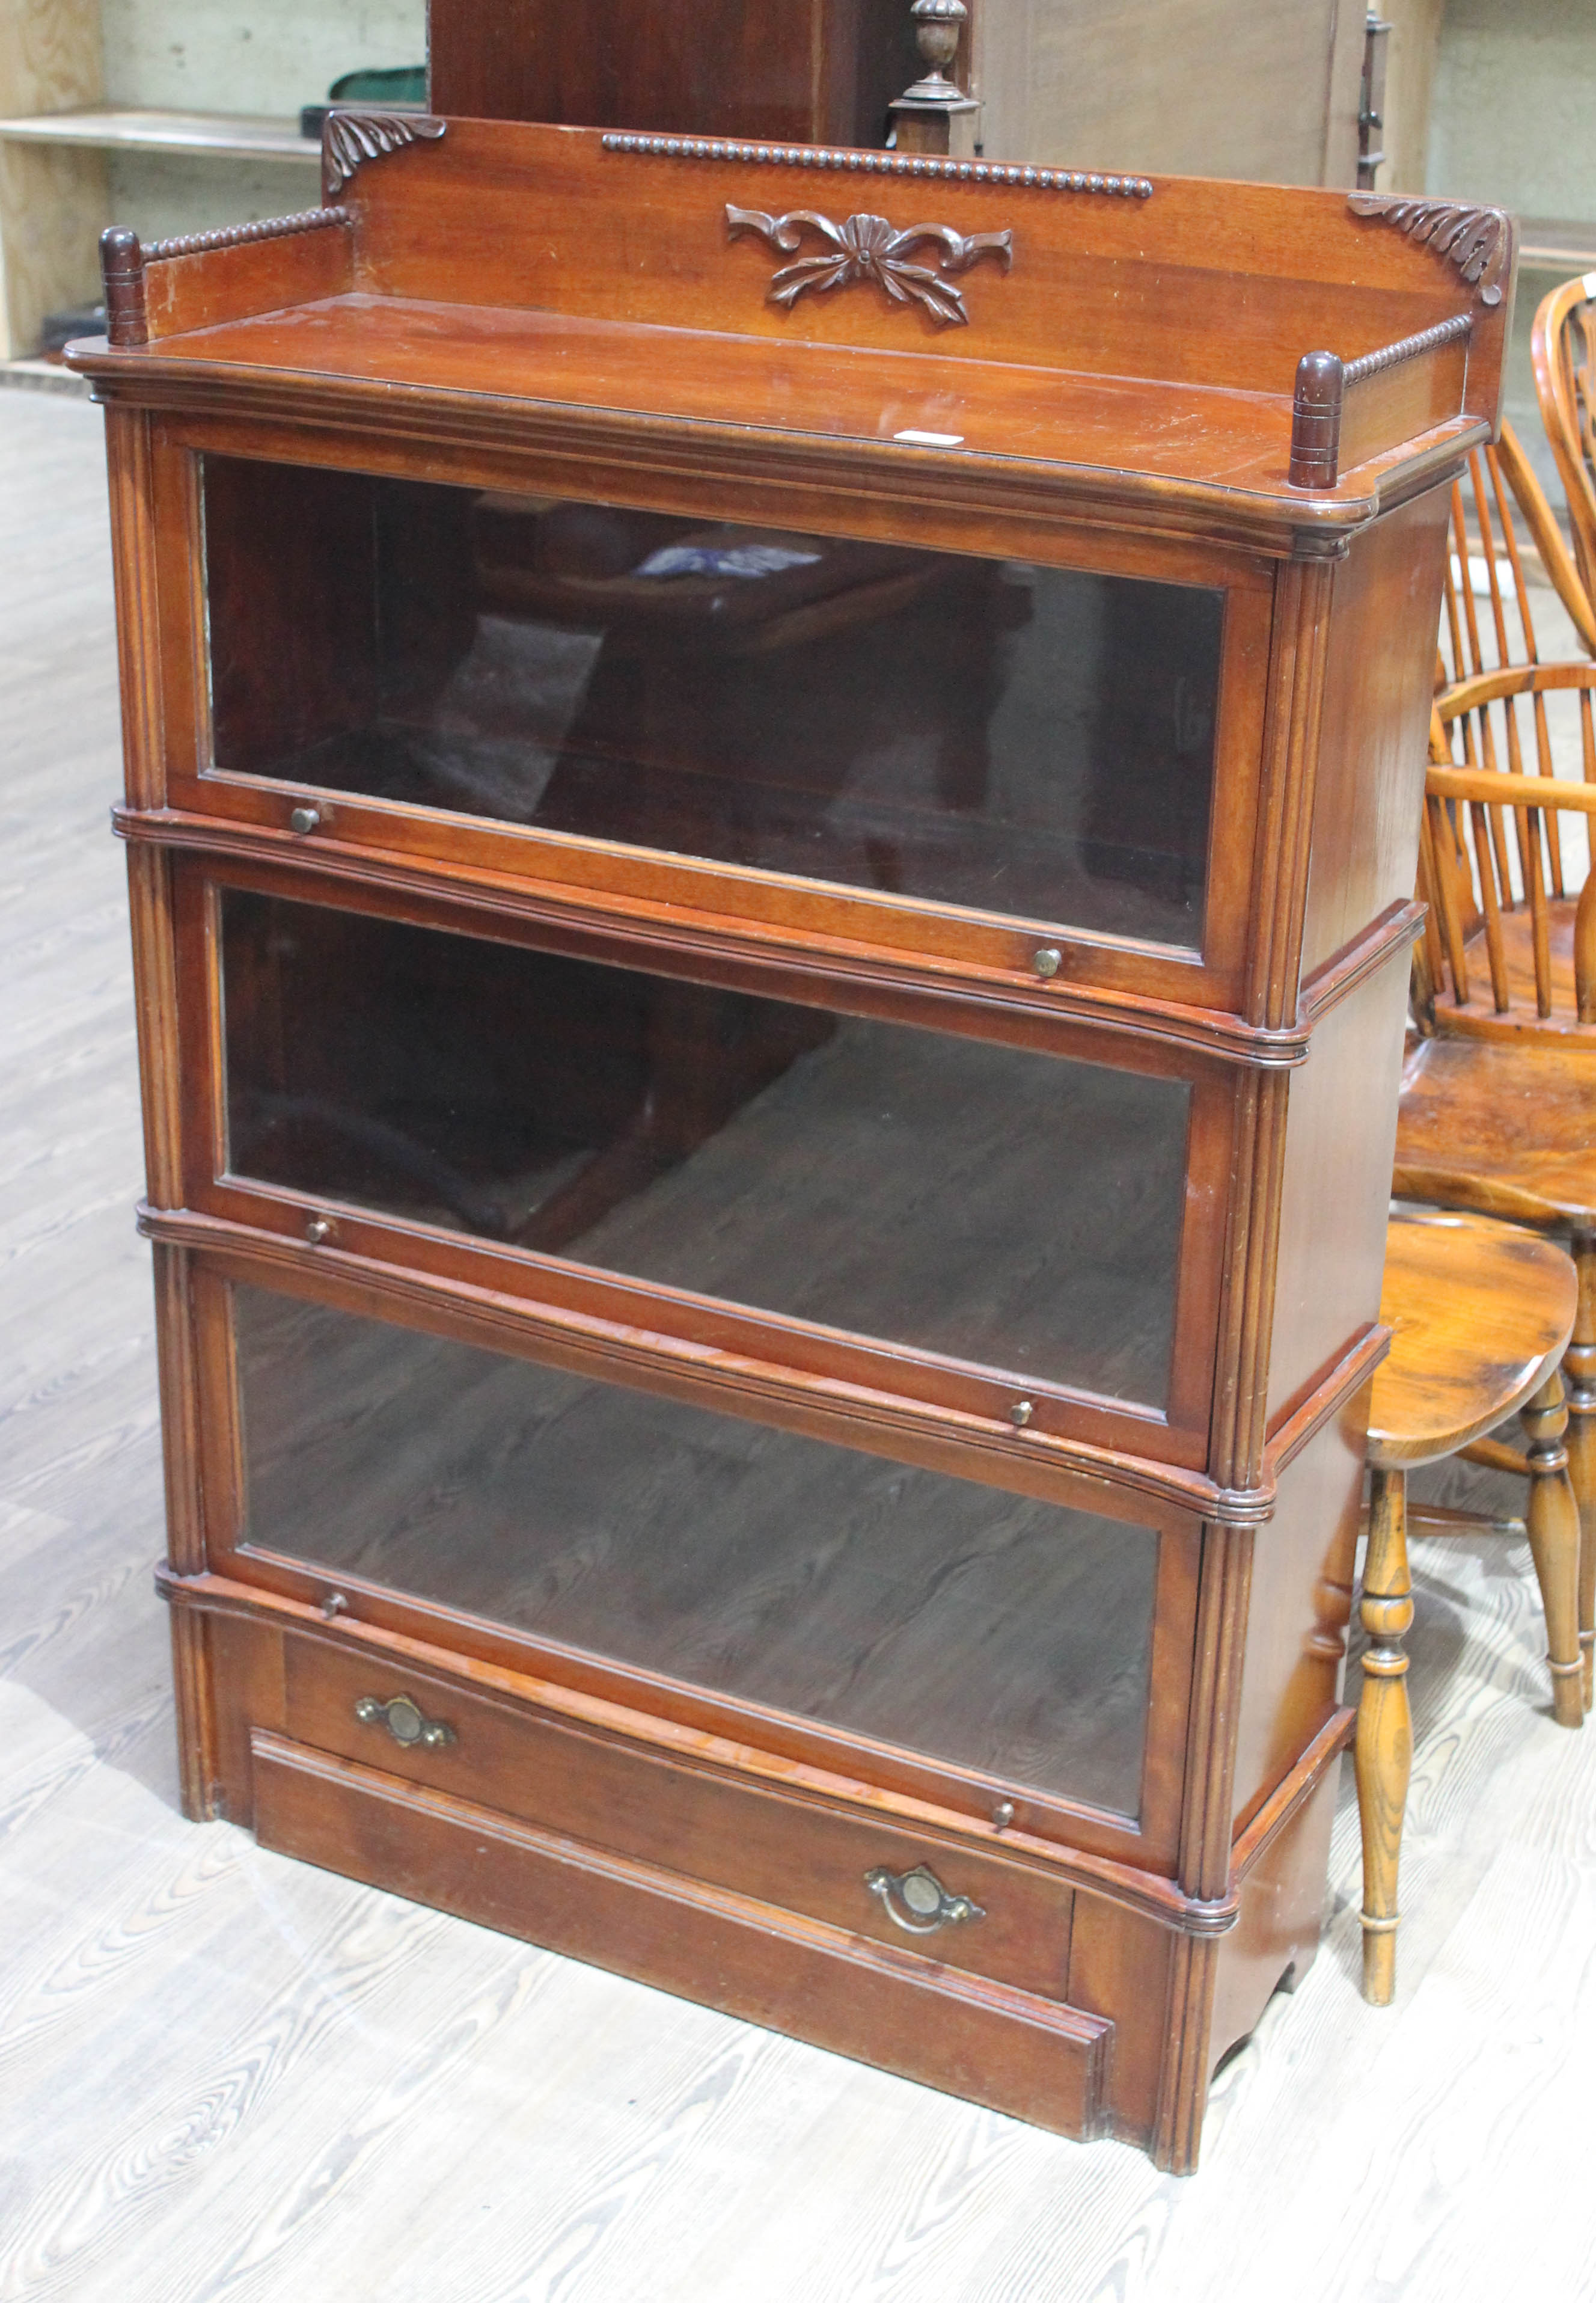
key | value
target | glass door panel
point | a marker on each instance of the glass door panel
(995, 1634)
(1019, 1211)
(1030, 741)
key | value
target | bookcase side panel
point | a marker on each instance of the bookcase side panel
(1335, 1185)
(1298, 1606)
(1372, 730)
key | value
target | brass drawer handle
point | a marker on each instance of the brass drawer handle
(918, 1901)
(405, 1721)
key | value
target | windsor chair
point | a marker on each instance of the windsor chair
(1499, 1101)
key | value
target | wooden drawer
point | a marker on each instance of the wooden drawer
(799, 1854)
(975, 2037)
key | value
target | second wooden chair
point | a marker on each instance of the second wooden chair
(1499, 1101)
(1480, 1314)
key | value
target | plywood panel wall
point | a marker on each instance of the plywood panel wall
(52, 203)
(1198, 88)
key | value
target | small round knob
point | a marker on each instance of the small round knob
(1021, 1413)
(305, 819)
(1048, 960)
(334, 1605)
(317, 1230)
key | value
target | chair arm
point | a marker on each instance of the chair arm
(1488, 788)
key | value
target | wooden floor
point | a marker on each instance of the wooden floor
(224, 2075)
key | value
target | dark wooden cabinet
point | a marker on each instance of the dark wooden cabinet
(771, 941)
(1272, 93)
(824, 71)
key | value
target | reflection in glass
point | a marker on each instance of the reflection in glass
(979, 1627)
(1026, 740)
(987, 1202)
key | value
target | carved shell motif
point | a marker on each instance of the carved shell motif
(867, 247)
(1475, 240)
(349, 138)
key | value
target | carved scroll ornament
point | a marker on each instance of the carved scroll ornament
(349, 138)
(1475, 240)
(867, 247)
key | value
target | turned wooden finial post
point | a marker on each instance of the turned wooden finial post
(1317, 421)
(122, 268)
(924, 114)
(1384, 1752)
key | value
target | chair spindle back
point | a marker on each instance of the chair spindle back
(1563, 349)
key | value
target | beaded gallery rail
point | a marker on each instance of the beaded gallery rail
(879, 163)
(244, 235)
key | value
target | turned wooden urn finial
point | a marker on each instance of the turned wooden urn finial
(922, 116)
(938, 27)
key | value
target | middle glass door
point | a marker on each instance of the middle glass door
(992, 1207)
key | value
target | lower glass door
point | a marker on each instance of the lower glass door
(998, 1635)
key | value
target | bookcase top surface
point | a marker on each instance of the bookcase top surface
(1105, 339)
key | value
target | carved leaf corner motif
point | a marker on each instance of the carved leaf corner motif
(1475, 240)
(868, 248)
(349, 138)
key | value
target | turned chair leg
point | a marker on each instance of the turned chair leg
(1384, 1752)
(1554, 1542)
(1579, 1368)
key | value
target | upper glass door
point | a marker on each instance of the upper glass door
(1012, 741)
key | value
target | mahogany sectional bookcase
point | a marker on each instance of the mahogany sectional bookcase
(771, 801)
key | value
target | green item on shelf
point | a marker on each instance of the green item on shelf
(403, 85)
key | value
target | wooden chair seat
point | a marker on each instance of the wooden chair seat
(1480, 1314)
(1505, 1129)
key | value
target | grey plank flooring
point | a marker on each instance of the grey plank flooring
(225, 2076)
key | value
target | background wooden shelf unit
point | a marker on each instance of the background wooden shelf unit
(104, 127)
